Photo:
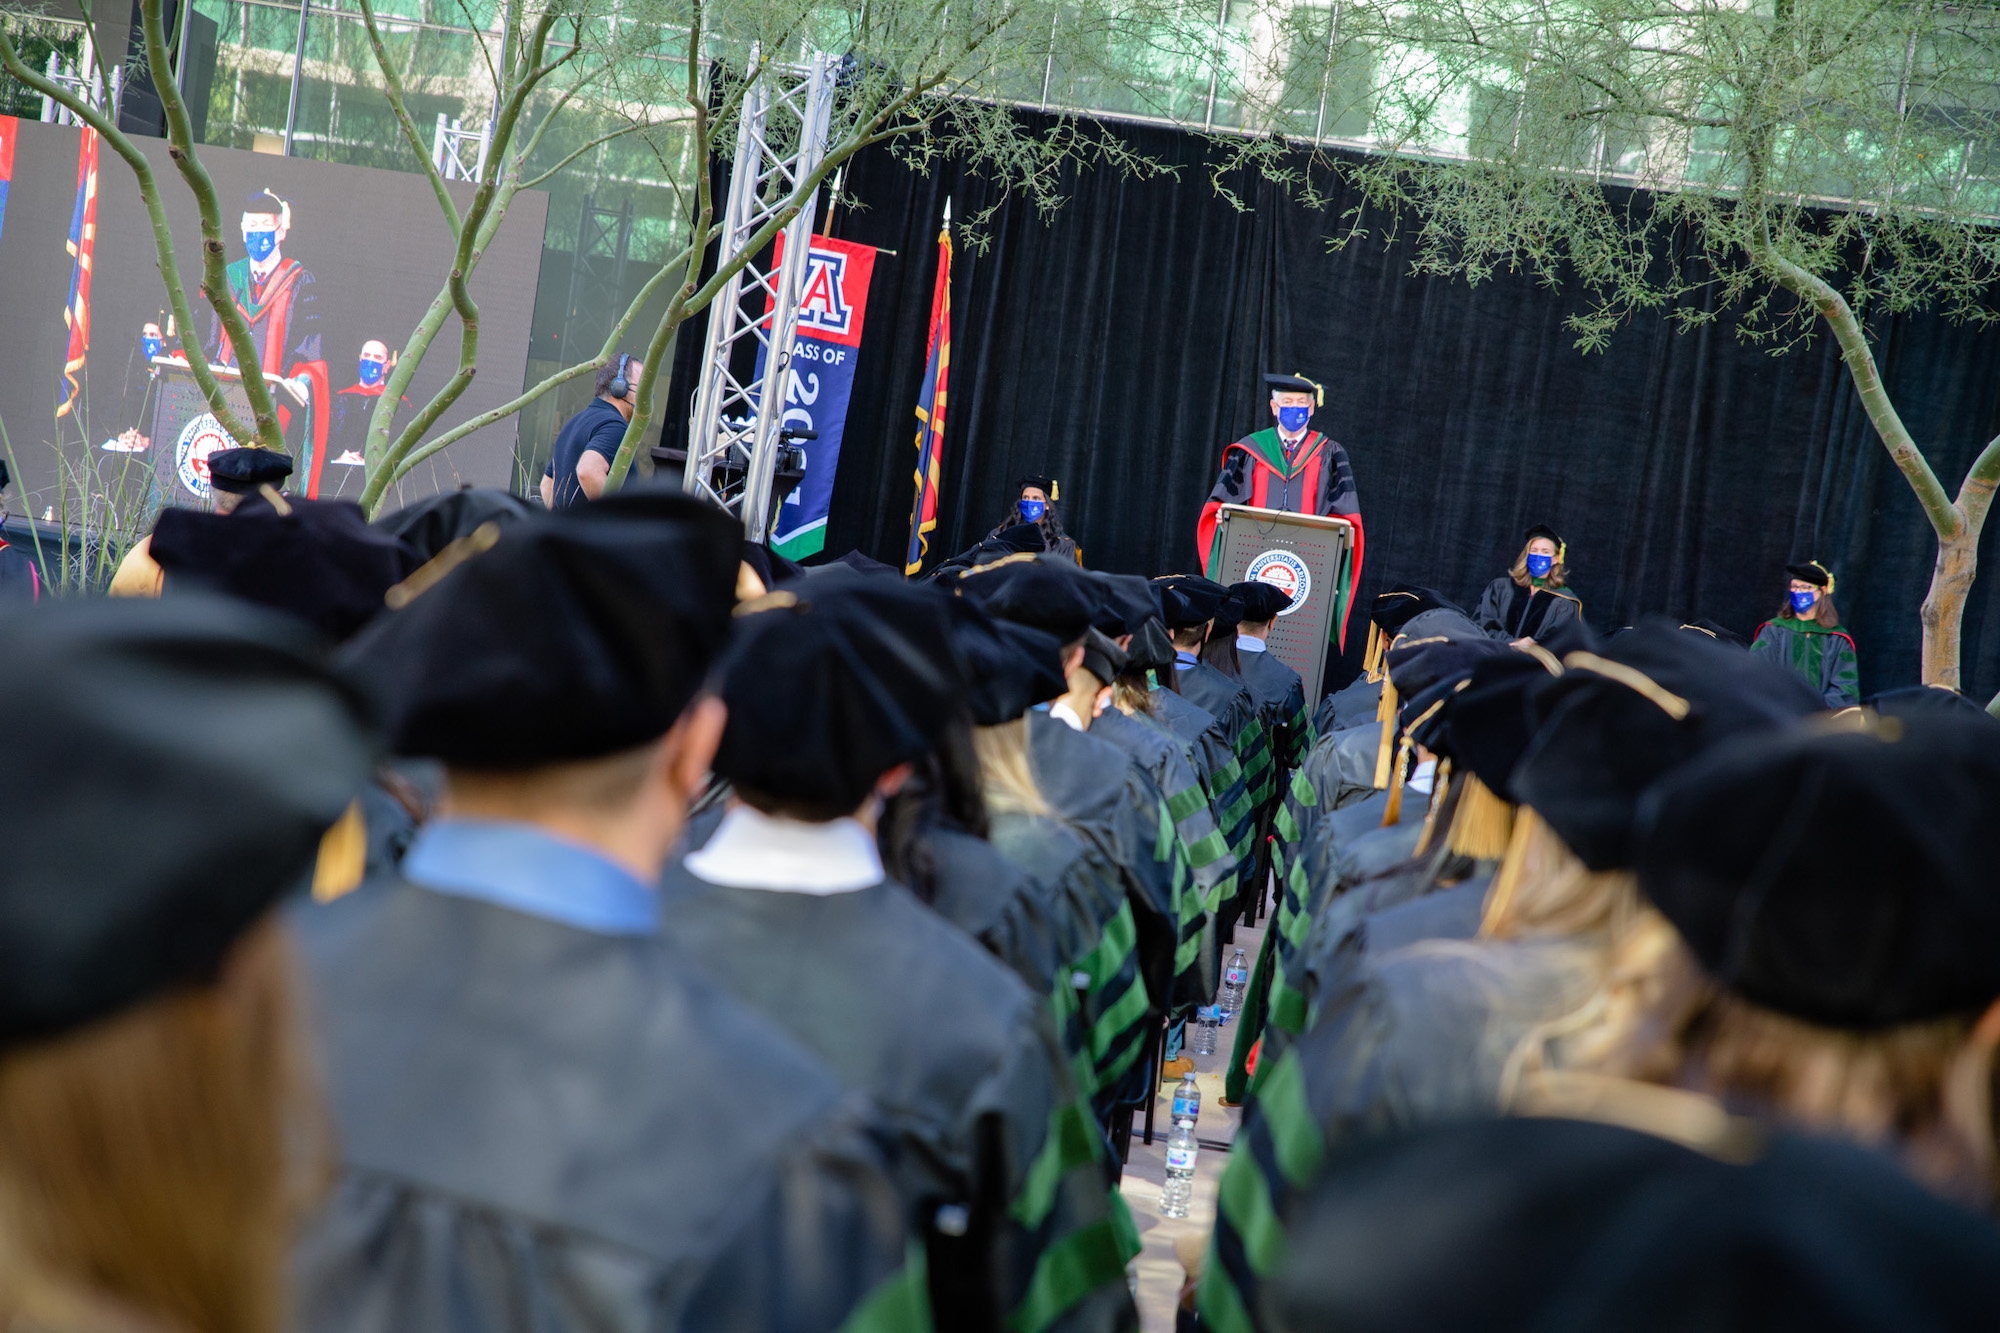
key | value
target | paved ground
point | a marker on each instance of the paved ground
(1159, 1270)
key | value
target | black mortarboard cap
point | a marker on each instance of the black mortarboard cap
(1846, 878)
(1228, 615)
(176, 765)
(1811, 572)
(1261, 601)
(1494, 717)
(1007, 668)
(1616, 723)
(1397, 607)
(772, 568)
(832, 682)
(860, 564)
(1423, 715)
(318, 560)
(1187, 600)
(1047, 592)
(436, 521)
(580, 633)
(1536, 1223)
(1102, 657)
(241, 471)
(1544, 531)
(1046, 485)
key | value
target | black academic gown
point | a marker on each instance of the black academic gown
(544, 1127)
(1280, 693)
(1509, 611)
(1002, 1171)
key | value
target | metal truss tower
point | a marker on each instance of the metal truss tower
(733, 444)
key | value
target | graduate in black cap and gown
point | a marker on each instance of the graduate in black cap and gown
(834, 691)
(546, 1113)
(1279, 690)
(160, 1127)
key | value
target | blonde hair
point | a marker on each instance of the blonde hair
(156, 1160)
(1543, 889)
(1007, 778)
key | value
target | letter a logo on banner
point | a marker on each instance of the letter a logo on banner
(831, 310)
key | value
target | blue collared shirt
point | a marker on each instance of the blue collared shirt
(1183, 659)
(524, 869)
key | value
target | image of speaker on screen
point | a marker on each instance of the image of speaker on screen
(274, 294)
(354, 406)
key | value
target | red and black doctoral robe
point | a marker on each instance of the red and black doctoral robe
(1314, 477)
(281, 310)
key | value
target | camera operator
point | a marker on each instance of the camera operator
(590, 439)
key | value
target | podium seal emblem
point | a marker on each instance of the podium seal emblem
(198, 439)
(1285, 572)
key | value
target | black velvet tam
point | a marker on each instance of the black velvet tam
(1187, 600)
(318, 560)
(1126, 601)
(578, 634)
(176, 764)
(1526, 1225)
(1491, 721)
(1261, 601)
(1848, 877)
(436, 521)
(1397, 607)
(1102, 657)
(1616, 723)
(1047, 592)
(833, 682)
(1008, 668)
(241, 471)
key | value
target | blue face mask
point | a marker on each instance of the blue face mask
(1802, 602)
(371, 372)
(1540, 565)
(1294, 419)
(151, 347)
(260, 244)
(1032, 510)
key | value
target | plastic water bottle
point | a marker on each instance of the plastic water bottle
(1203, 1041)
(1235, 979)
(1178, 1192)
(1187, 1101)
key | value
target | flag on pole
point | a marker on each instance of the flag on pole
(82, 246)
(9, 130)
(930, 409)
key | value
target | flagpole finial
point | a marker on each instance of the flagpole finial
(947, 210)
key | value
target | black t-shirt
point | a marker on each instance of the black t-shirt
(597, 429)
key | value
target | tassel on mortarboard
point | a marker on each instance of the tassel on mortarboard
(343, 856)
(1371, 660)
(1440, 789)
(1483, 824)
(1507, 879)
(1385, 713)
(1392, 813)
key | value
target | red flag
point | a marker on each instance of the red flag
(83, 248)
(930, 409)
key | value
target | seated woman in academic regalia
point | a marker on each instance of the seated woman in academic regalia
(1531, 601)
(1036, 505)
(1806, 636)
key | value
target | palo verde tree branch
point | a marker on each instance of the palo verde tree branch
(392, 87)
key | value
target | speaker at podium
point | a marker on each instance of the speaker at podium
(185, 432)
(1307, 556)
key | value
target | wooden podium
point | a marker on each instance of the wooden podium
(1310, 557)
(185, 432)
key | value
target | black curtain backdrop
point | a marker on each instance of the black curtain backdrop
(1117, 344)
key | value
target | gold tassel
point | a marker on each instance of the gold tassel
(1385, 713)
(1507, 879)
(1392, 814)
(1483, 826)
(1440, 788)
(343, 856)
(1371, 660)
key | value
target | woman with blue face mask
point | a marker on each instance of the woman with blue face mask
(1806, 636)
(1531, 600)
(1036, 507)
